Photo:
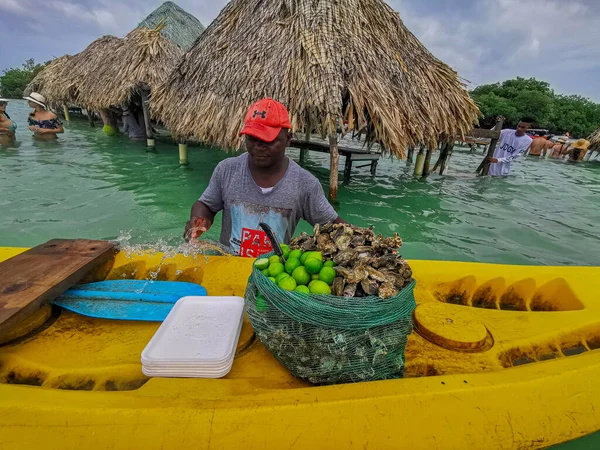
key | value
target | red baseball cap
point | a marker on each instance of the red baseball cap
(265, 119)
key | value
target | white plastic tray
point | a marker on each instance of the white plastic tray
(198, 331)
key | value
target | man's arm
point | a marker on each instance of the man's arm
(316, 207)
(204, 210)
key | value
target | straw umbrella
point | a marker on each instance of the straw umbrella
(351, 60)
(594, 142)
(181, 27)
(60, 80)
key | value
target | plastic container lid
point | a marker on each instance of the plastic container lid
(199, 332)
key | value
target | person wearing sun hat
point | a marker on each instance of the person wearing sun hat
(7, 126)
(578, 150)
(43, 123)
(262, 185)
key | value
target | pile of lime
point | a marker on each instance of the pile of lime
(303, 272)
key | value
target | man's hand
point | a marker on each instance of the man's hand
(491, 160)
(195, 227)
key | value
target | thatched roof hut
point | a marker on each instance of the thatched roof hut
(595, 140)
(60, 81)
(181, 27)
(47, 81)
(143, 60)
(351, 60)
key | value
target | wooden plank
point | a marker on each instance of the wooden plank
(324, 148)
(480, 133)
(361, 157)
(37, 276)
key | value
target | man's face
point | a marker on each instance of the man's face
(268, 154)
(522, 128)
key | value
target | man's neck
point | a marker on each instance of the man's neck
(268, 176)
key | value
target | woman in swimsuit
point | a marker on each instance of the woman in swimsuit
(7, 126)
(43, 123)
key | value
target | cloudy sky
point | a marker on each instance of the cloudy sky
(484, 40)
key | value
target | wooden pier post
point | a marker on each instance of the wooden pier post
(420, 162)
(444, 158)
(427, 163)
(149, 136)
(183, 158)
(66, 112)
(333, 167)
(485, 167)
(410, 154)
(304, 151)
(90, 115)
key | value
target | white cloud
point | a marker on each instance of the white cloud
(13, 6)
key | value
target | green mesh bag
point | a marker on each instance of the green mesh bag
(325, 339)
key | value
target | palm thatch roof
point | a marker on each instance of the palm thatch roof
(181, 27)
(143, 60)
(46, 81)
(60, 81)
(110, 70)
(327, 61)
(595, 140)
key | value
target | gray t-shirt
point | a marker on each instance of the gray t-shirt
(298, 195)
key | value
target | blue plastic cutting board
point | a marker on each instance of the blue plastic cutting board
(127, 299)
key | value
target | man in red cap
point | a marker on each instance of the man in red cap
(262, 185)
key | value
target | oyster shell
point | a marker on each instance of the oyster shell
(343, 241)
(345, 257)
(308, 245)
(387, 290)
(325, 244)
(338, 286)
(375, 275)
(370, 287)
(350, 290)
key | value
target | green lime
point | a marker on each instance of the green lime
(281, 276)
(266, 272)
(291, 264)
(286, 254)
(315, 276)
(311, 283)
(261, 263)
(273, 279)
(305, 256)
(274, 259)
(301, 275)
(284, 248)
(329, 263)
(327, 274)
(302, 289)
(287, 283)
(261, 303)
(316, 255)
(296, 253)
(275, 269)
(319, 287)
(312, 265)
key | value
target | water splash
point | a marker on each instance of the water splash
(198, 250)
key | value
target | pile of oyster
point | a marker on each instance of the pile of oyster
(365, 263)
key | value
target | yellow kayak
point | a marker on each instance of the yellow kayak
(502, 357)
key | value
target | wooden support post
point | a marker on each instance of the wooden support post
(183, 159)
(483, 167)
(420, 162)
(90, 115)
(333, 167)
(442, 158)
(304, 151)
(410, 155)
(66, 112)
(347, 169)
(373, 167)
(427, 162)
(149, 136)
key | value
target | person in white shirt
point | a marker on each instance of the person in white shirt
(511, 145)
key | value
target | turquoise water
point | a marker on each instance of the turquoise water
(90, 185)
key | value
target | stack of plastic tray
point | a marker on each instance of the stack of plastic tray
(198, 339)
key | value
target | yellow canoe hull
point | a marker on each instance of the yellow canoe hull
(479, 374)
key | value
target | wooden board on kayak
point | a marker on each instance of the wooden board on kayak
(37, 276)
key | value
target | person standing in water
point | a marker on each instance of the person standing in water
(262, 185)
(511, 145)
(7, 126)
(43, 123)
(538, 147)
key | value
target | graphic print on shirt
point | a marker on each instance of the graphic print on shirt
(508, 148)
(247, 239)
